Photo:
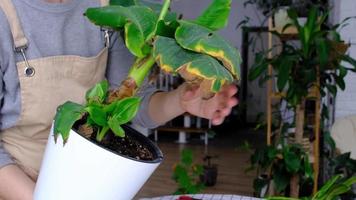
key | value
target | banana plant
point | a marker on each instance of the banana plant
(154, 35)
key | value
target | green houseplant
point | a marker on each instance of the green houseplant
(331, 190)
(190, 48)
(153, 35)
(315, 64)
(186, 174)
(283, 163)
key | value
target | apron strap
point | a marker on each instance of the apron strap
(9, 10)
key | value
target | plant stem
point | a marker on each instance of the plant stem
(299, 128)
(102, 133)
(164, 9)
(299, 131)
(134, 80)
(161, 17)
(140, 69)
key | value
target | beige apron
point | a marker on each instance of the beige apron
(45, 83)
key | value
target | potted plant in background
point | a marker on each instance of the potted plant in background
(210, 171)
(192, 49)
(186, 174)
(278, 9)
(314, 65)
(278, 166)
(331, 190)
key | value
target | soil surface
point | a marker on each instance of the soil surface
(126, 146)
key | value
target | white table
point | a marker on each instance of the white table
(205, 197)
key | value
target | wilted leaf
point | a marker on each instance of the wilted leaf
(172, 59)
(67, 114)
(202, 40)
(139, 23)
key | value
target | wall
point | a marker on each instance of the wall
(346, 100)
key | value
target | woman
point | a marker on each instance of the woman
(50, 53)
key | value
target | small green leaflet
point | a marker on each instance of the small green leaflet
(126, 109)
(114, 125)
(98, 92)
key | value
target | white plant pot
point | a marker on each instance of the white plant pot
(82, 170)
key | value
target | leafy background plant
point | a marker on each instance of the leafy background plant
(186, 174)
(154, 35)
(282, 163)
(314, 64)
(331, 190)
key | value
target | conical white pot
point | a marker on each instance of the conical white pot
(82, 170)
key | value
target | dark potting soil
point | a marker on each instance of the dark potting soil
(126, 146)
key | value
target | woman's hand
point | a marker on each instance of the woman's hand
(165, 106)
(215, 108)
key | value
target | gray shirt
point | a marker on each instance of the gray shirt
(57, 29)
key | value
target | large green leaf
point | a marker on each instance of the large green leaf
(280, 178)
(139, 23)
(216, 15)
(292, 161)
(284, 69)
(260, 66)
(67, 115)
(107, 16)
(156, 7)
(335, 192)
(200, 39)
(308, 170)
(323, 191)
(172, 58)
(323, 50)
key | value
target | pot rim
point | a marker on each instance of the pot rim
(152, 147)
